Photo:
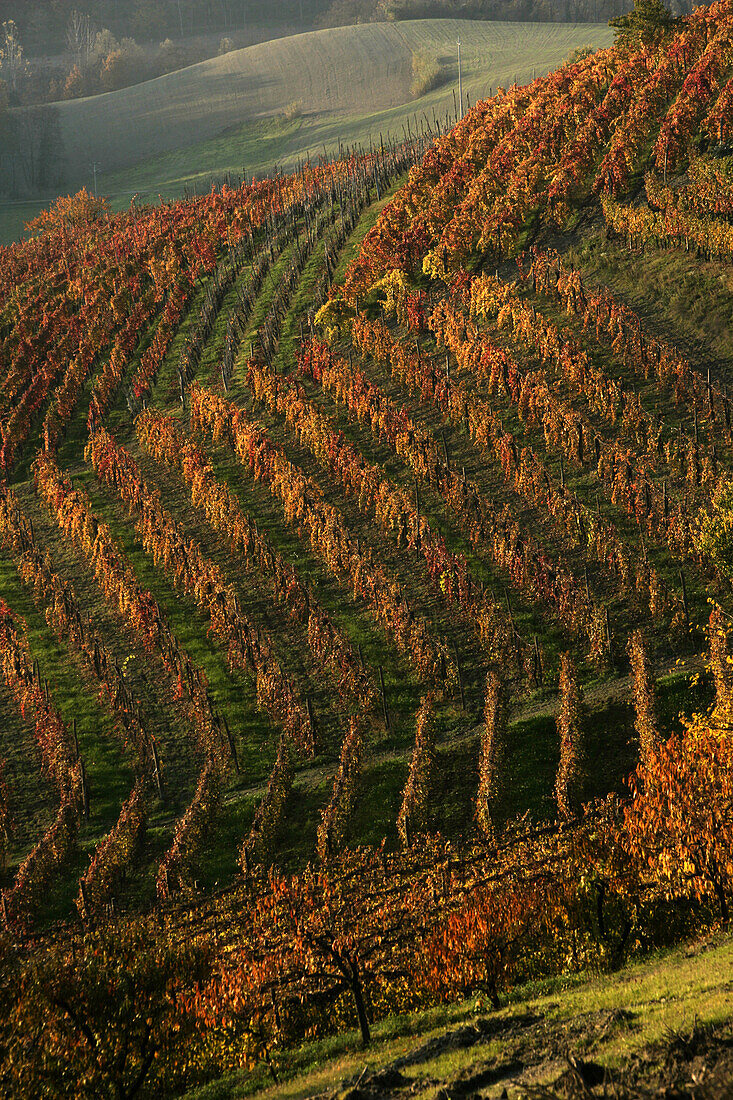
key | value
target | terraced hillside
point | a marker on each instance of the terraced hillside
(359, 537)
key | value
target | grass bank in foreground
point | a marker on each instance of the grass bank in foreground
(664, 1022)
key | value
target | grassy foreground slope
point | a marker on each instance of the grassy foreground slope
(659, 1025)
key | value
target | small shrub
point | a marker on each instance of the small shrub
(579, 54)
(426, 73)
(293, 110)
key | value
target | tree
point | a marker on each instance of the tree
(123, 66)
(312, 938)
(105, 43)
(649, 23)
(3, 106)
(69, 212)
(579, 54)
(148, 20)
(80, 38)
(12, 62)
(31, 143)
(103, 1013)
(679, 822)
(478, 947)
(338, 943)
(75, 85)
(170, 56)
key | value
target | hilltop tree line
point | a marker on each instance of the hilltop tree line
(93, 59)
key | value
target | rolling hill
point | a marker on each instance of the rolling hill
(225, 114)
(344, 72)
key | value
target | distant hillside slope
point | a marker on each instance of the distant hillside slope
(344, 71)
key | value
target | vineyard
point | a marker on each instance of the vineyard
(365, 579)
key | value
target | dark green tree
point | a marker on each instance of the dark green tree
(649, 22)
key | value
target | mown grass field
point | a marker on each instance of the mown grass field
(226, 114)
